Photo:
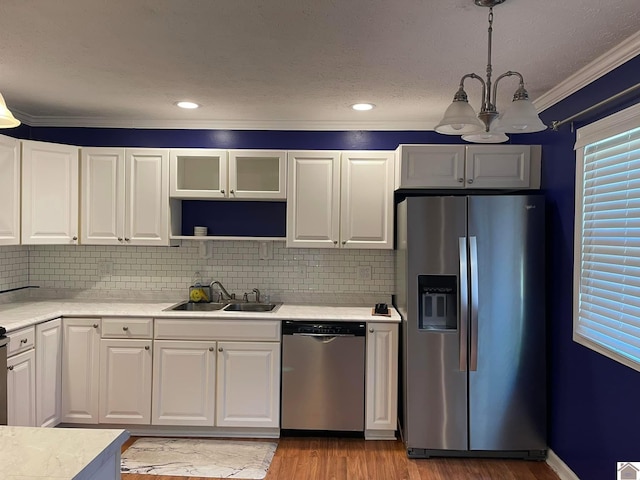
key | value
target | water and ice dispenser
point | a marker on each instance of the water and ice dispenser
(437, 302)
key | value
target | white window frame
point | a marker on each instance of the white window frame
(616, 124)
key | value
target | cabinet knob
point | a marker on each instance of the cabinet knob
(335, 242)
(470, 180)
(232, 192)
(10, 367)
(125, 328)
(220, 349)
(371, 330)
(222, 190)
(146, 347)
(461, 180)
(211, 349)
(126, 239)
(344, 242)
(119, 239)
(95, 325)
(75, 238)
(24, 340)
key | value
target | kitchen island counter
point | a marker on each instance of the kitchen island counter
(60, 453)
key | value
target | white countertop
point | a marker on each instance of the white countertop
(56, 453)
(16, 315)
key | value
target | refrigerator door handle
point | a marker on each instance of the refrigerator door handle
(464, 304)
(473, 268)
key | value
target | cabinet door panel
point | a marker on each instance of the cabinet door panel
(49, 373)
(367, 200)
(21, 390)
(248, 384)
(183, 383)
(313, 205)
(80, 374)
(9, 191)
(431, 166)
(505, 166)
(382, 377)
(49, 193)
(259, 174)
(147, 197)
(102, 196)
(125, 381)
(198, 173)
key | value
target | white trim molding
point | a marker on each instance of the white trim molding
(602, 65)
(558, 466)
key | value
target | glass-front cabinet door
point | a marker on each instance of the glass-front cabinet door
(198, 173)
(259, 174)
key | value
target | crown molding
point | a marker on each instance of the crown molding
(177, 124)
(602, 65)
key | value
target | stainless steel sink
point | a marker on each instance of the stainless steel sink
(251, 307)
(196, 307)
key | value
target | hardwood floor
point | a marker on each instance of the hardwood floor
(354, 459)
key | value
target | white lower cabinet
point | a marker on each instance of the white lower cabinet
(125, 381)
(381, 403)
(21, 389)
(183, 383)
(49, 373)
(248, 384)
(80, 374)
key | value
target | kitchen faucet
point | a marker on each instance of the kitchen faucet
(245, 297)
(223, 291)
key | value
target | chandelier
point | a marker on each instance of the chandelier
(489, 126)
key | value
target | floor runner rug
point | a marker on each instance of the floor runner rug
(191, 457)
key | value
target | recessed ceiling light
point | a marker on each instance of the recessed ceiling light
(187, 105)
(362, 106)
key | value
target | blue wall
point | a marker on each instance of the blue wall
(594, 419)
(594, 415)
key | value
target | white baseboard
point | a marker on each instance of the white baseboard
(561, 468)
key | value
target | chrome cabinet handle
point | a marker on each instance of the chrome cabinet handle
(95, 325)
(460, 180)
(125, 328)
(470, 180)
(371, 330)
(146, 347)
(24, 340)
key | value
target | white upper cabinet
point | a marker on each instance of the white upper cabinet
(9, 191)
(125, 197)
(313, 205)
(198, 173)
(234, 174)
(470, 166)
(340, 199)
(366, 204)
(258, 174)
(146, 197)
(49, 193)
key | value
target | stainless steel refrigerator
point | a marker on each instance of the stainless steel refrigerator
(470, 290)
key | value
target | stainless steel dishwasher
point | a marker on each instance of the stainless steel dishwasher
(323, 376)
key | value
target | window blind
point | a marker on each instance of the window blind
(608, 248)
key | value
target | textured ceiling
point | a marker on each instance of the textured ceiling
(285, 63)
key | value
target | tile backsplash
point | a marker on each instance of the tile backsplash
(287, 274)
(14, 267)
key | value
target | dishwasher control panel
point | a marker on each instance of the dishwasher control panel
(355, 329)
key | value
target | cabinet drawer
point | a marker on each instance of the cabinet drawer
(21, 340)
(126, 327)
(191, 329)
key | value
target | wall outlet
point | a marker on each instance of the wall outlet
(364, 272)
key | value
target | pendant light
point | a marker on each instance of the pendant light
(7, 120)
(461, 119)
